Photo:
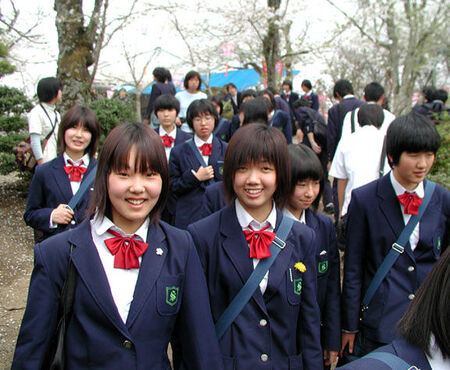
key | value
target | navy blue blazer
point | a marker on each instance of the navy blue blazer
(413, 355)
(314, 100)
(284, 323)
(336, 116)
(158, 88)
(373, 225)
(223, 130)
(282, 121)
(293, 97)
(213, 199)
(185, 186)
(96, 336)
(328, 279)
(49, 188)
(169, 210)
(281, 104)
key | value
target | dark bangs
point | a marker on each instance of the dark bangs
(254, 143)
(150, 156)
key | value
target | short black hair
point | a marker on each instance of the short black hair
(411, 133)
(428, 314)
(273, 103)
(305, 165)
(216, 100)
(48, 88)
(166, 101)
(255, 111)
(248, 93)
(199, 107)
(190, 75)
(373, 92)
(307, 84)
(440, 94)
(231, 84)
(287, 82)
(342, 87)
(428, 92)
(160, 74)
(370, 114)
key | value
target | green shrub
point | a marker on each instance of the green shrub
(10, 141)
(440, 171)
(7, 163)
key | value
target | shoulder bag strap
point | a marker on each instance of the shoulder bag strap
(85, 185)
(352, 120)
(398, 247)
(246, 292)
(51, 122)
(382, 158)
(395, 362)
(219, 126)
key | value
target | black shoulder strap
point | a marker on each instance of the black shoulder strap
(51, 122)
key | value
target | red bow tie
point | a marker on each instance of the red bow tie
(125, 250)
(167, 140)
(411, 201)
(259, 242)
(206, 149)
(75, 171)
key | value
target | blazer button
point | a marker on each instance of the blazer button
(264, 357)
(262, 322)
(411, 268)
(127, 344)
(411, 297)
(73, 222)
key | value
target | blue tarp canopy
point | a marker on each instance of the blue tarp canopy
(242, 78)
(127, 87)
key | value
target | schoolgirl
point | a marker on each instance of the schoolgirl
(278, 118)
(279, 326)
(307, 185)
(196, 163)
(54, 183)
(139, 281)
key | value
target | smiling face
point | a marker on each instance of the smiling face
(412, 168)
(304, 195)
(203, 125)
(254, 185)
(132, 195)
(77, 139)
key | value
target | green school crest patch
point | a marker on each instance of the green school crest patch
(322, 267)
(438, 244)
(221, 170)
(171, 295)
(281, 128)
(298, 286)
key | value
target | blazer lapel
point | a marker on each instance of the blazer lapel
(61, 178)
(281, 264)
(90, 269)
(150, 270)
(391, 210)
(236, 248)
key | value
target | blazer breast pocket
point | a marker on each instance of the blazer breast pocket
(218, 171)
(169, 290)
(322, 264)
(294, 283)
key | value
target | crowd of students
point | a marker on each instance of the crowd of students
(213, 241)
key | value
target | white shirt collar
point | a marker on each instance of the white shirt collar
(84, 158)
(199, 142)
(101, 226)
(399, 189)
(49, 106)
(245, 219)
(349, 96)
(289, 214)
(163, 132)
(309, 93)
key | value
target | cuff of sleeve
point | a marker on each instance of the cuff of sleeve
(51, 224)
(350, 331)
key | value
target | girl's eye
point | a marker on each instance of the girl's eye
(151, 174)
(123, 174)
(242, 168)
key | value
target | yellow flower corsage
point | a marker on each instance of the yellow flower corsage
(300, 266)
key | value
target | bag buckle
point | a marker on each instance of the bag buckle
(279, 243)
(398, 248)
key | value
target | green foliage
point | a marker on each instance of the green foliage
(441, 168)
(5, 66)
(13, 102)
(10, 141)
(7, 163)
(112, 112)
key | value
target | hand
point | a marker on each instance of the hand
(40, 161)
(62, 215)
(328, 166)
(178, 121)
(204, 173)
(316, 147)
(329, 357)
(348, 338)
(299, 136)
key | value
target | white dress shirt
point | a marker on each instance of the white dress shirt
(245, 219)
(121, 282)
(289, 214)
(172, 134)
(199, 142)
(420, 192)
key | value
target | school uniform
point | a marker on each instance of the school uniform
(185, 186)
(290, 98)
(223, 130)
(213, 199)
(413, 355)
(282, 121)
(158, 89)
(180, 137)
(328, 276)
(375, 220)
(279, 327)
(49, 188)
(97, 336)
(313, 98)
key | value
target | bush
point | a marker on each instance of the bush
(112, 112)
(7, 163)
(440, 171)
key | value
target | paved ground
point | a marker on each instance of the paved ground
(16, 262)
